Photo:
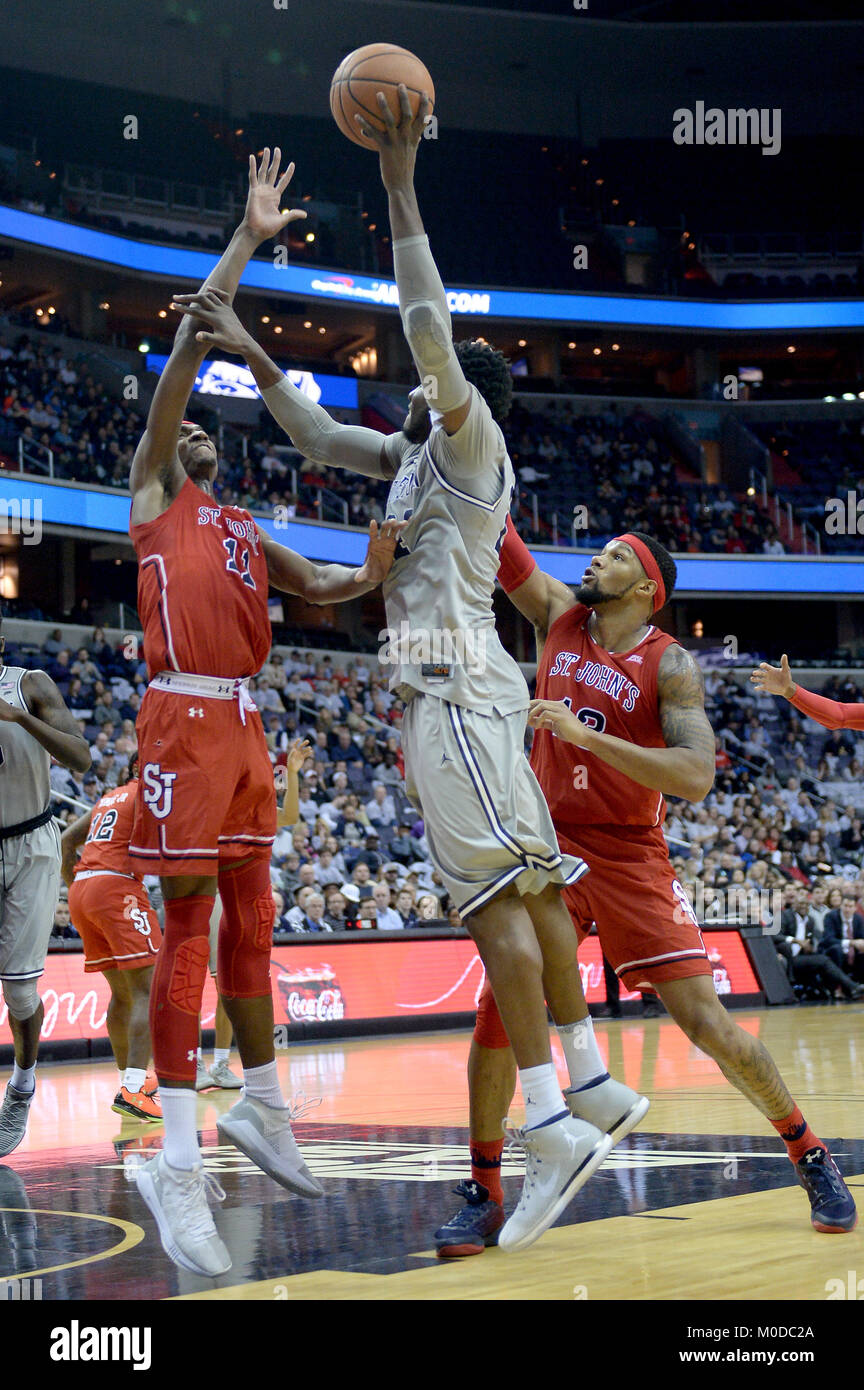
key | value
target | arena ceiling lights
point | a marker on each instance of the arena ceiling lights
(604, 311)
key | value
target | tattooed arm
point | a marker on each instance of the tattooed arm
(685, 767)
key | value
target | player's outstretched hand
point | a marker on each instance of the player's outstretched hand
(397, 142)
(262, 218)
(213, 307)
(774, 680)
(560, 720)
(300, 750)
(382, 548)
(8, 713)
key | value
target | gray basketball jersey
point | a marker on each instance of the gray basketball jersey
(25, 766)
(441, 638)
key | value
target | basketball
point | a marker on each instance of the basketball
(377, 67)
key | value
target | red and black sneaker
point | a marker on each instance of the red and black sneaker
(832, 1206)
(474, 1226)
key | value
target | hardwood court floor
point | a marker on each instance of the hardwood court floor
(699, 1203)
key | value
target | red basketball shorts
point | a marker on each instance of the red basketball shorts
(647, 928)
(205, 791)
(113, 917)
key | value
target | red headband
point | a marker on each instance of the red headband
(649, 565)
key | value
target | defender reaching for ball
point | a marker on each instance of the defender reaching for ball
(488, 827)
(206, 807)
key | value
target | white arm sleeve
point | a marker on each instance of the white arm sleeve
(322, 439)
(426, 320)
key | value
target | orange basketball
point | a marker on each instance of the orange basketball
(378, 67)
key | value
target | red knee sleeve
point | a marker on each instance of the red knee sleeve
(178, 985)
(246, 930)
(488, 1029)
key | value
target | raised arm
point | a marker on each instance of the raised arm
(685, 767)
(294, 574)
(422, 300)
(832, 714)
(49, 721)
(157, 474)
(289, 812)
(309, 427)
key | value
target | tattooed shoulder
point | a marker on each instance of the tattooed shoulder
(679, 678)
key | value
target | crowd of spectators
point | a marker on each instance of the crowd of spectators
(820, 460)
(600, 474)
(782, 828)
(616, 471)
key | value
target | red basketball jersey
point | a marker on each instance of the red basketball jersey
(107, 844)
(615, 692)
(202, 588)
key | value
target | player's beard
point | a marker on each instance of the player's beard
(591, 595)
(417, 428)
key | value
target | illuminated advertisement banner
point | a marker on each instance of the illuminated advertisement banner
(478, 302)
(330, 981)
(220, 378)
(99, 509)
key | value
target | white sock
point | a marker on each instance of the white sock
(262, 1083)
(24, 1078)
(541, 1094)
(581, 1052)
(134, 1078)
(220, 1054)
(200, 1054)
(181, 1137)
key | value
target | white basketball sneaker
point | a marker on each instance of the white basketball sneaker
(608, 1104)
(177, 1197)
(559, 1159)
(263, 1133)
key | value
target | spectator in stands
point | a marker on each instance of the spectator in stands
(405, 908)
(313, 919)
(428, 908)
(381, 810)
(388, 919)
(295, 915)
(361, 877)
(843, 936)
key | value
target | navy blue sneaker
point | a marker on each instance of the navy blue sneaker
(473, 1227)
(832, 1204)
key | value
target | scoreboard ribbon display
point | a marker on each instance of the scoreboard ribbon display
(323, 980)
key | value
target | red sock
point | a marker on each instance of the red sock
(797, 1135)
(178, 984)
(486, 1166)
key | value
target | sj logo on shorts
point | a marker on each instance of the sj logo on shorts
(158, 790)
(135, 914)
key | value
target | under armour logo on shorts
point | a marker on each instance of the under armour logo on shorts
(196, 713)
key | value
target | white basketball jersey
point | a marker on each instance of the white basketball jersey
(25, 766)
(442, 638)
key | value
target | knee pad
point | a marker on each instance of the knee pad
(246, 930)
(22, 998)
(488, 1029)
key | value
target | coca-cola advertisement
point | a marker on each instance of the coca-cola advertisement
(310, 994)
(369, 977)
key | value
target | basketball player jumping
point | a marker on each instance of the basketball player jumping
(111, 912)
(35, 726)
(206, 807)
(487, 824)
(620, 721)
